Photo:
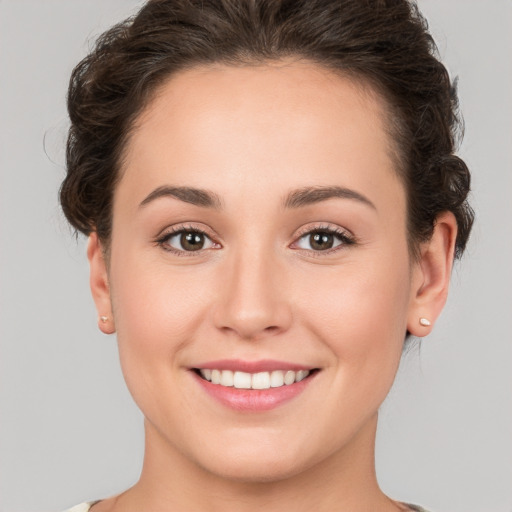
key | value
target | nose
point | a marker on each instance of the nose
(252, 298)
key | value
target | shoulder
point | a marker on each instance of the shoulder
(414, 508)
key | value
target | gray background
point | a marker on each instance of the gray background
(69, 430)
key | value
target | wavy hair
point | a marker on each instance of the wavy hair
(382, 43)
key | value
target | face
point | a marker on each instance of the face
(259, 238)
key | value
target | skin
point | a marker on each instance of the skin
(252, 135)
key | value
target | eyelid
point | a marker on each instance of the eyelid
(347, 238)
(330, 228)
(176, 229)
(323, 226)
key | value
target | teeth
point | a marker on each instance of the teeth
(276, 379)
(216, 376)
(226, 378)
(289, 377)
(301, 374)
(242, 380)
(260, 380)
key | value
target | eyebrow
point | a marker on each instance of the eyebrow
(311, 195)
(195, 196)
(295, 199)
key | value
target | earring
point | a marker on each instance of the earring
(104, 318)
(425, 322)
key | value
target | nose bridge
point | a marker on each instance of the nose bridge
(252, 301)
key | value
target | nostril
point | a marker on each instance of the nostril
(247, 332)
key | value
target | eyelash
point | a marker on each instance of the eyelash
(343, 236)
(177, 230)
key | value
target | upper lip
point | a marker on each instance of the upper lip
(263, 365)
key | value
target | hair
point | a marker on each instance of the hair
(382, 43)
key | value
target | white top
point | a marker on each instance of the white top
(84, 507)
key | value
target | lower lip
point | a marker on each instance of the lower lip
(254, 400)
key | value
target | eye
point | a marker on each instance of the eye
(186, 240)
(323, 240)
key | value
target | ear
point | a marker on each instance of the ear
(431, 276)
(100, 287)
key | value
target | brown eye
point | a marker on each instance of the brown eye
(192, 241)
(321, 241)
(187, 241)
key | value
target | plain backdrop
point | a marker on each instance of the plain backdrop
(69, 429)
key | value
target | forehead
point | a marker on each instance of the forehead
(297, 90)
(278, 123)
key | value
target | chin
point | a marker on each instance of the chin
(256, 462)
(255, 472)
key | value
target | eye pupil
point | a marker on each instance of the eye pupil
(321, 241)
(192, 241)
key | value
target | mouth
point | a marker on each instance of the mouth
(259, 380)
(253, 387)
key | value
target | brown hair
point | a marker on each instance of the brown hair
(384, 43)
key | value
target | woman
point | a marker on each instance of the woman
(273, 208)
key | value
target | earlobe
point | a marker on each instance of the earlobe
(99, 283)
(431, 276)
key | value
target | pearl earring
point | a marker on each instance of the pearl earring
(104, 318)
(425, 322)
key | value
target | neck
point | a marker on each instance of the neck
(343, 481)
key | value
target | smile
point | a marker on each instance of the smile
(260, 380)
(255, 386)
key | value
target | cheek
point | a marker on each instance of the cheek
(157, 312)
(360, 312)
(367, 298)
(152, 297)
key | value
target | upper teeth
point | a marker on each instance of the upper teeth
(261, 380)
